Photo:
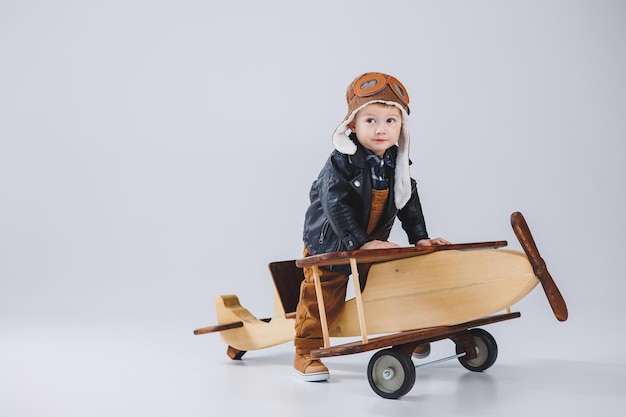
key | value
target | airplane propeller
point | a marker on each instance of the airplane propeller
(520, 227)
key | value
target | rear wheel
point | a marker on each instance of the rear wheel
(486, 351)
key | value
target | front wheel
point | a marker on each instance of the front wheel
(486, 351)
(391, 373)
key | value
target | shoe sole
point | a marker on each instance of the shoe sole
(422, 355)
(316, 377)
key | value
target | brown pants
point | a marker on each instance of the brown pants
(308, 326)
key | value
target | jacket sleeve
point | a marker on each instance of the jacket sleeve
(341, 200)
(412, 218)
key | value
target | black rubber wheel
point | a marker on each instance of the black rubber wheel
(486, 350)
(391, 373)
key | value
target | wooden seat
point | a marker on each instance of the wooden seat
(287, 279)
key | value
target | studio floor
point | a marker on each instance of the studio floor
(58, 367)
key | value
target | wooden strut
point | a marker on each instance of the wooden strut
(359, 298)
(320, 305)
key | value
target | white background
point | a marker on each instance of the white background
(156, 154)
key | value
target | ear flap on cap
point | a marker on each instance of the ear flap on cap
(402, 186)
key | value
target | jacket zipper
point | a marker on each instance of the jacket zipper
(325, 227)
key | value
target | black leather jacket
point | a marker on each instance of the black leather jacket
(341, 199)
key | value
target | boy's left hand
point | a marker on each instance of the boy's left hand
(431, 242)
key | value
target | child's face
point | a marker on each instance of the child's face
(377, 127)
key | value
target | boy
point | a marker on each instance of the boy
(363, 186)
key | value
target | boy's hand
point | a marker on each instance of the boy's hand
(379, 244)
(431, 242)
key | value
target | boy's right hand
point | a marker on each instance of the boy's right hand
(379, 244)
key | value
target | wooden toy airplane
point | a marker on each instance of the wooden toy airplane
(408, 296)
